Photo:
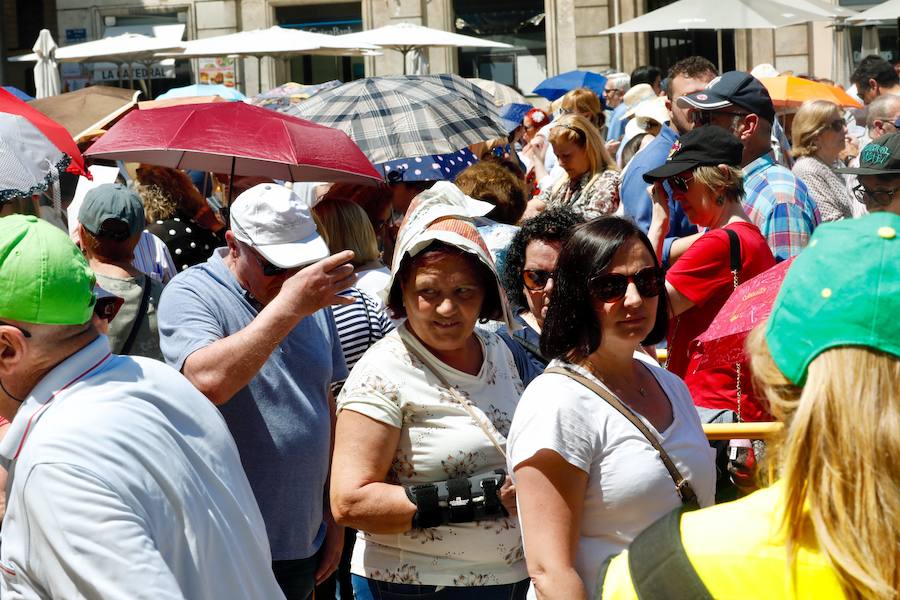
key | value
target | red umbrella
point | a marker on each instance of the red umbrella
(235, 138)
(749, 305)
(56, 133)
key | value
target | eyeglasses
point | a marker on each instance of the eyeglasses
(25, 332)
(536, 279)
(874, 197)
(837, 125)
(680, 183)
(704, 117)
(611, 287)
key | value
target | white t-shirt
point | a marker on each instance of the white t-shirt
(628, 486)
(438, 440)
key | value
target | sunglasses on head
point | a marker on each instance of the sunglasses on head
(680, 183)
(611, 287)
(536, 279)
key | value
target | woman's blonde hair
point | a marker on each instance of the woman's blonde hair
(345, 226)
(158, 206)
(840, 461)
(814, 117)
(583, 100)
(729, 180)
(575, 129)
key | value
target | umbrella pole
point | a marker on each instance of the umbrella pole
(719, 47)
(231, 181)
(404, 53)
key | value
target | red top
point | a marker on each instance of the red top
(703, 276)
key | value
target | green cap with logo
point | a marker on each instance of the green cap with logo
(44, 278)
(842, 290)
(881, 157)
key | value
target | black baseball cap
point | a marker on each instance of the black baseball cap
(881, 157)
(706, 145)
(735, 88)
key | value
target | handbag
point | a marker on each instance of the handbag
(682, 485)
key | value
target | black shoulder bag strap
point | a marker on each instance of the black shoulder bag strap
(735, 259)
(142, 310)
(659, 566)
(682, 486)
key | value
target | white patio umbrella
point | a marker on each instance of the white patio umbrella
(277, 42)
(722, 14)
(46, 73)
(880, 12)
(406, 37)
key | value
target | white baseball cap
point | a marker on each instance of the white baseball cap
(277, 223)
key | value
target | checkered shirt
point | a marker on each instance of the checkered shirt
(780, 205)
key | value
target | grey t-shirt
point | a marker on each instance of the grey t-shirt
(146, 341)
(281, 421)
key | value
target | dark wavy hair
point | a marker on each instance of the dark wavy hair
(552, 225)
(491, 307)
(571, 330)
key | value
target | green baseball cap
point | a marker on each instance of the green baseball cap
(881, 157)
(112, 201)
(842, 290)
(44, 278)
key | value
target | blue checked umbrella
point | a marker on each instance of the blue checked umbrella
(437, 167)
(411, 115)
(556, 87)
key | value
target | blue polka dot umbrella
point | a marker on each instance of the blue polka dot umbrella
(436, 167)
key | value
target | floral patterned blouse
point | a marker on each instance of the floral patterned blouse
(439, 440)
(592, 195)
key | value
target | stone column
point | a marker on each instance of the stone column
(259, 74)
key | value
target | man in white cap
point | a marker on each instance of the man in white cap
(252, 329)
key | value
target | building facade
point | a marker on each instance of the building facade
(549, 36)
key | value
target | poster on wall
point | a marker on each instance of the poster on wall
(219, 70)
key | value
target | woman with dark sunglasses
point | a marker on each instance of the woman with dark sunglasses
(529, 271)
(588, 480)
(703, 172)
(819, 137)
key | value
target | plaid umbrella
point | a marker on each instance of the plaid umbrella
(407, 116)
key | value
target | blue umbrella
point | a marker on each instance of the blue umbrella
(556, 87)
(24, 97)
(435, 167)
(513, 114)
(202, 89)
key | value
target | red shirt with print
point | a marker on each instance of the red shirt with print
(703, 276)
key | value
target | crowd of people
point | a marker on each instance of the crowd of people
(483, 388)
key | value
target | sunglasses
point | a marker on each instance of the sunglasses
(268, 269)
(704, 117)
(25, 332)
(611, 287)
(837, 125)
(874, 197)
(680, 183)
(536, 279)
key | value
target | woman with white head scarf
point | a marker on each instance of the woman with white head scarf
(420, 439)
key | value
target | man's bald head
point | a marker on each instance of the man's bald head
(881, 115)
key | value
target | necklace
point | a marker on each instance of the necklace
(596, 372)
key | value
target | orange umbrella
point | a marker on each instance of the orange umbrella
(789, 92)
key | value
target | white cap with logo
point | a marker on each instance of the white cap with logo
(277, 223)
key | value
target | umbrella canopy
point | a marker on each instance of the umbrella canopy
(28, 160)
(406, 37)
(235, 138)
(125, 48)
(437, 167)
(409, 115)
(283, 96)
(503, 94)
(556, 87)
(88, 109)
(18, 93)
(749, 305)
(199, 89)
(886, 10)
(513, 114)
(46, 73)
(721, 14)
(53, 131)
(788, 92)
(274, 41)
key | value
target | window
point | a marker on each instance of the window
(668, 47)
(333, 19)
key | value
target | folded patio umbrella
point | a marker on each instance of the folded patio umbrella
(407, 116)
(237, 139)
